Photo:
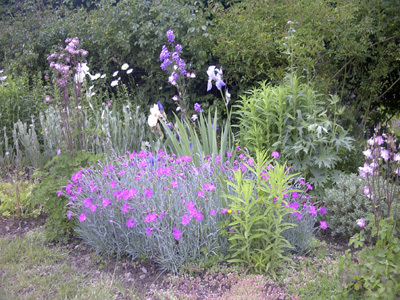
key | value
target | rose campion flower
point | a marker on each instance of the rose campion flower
(148, 231)
(150, 218)
(82, 217)
(106, 202)
(125, 208)
(200, 194)
(185, 219)
(148, 193)
(361, 222)
(313, 211)
(69, 214)
(208, 187)
(174, 183)
(323, 225)
(177, 233)
(275, 154)
(322, 210)
(130, 223)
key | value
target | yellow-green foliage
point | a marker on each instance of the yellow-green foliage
(14, 199)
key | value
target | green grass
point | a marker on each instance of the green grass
(29, 269)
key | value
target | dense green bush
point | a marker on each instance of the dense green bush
(130, 32)
(344, 47)
(347, 203)
(292, 119)
(22, 98)
(14, 199)
(376, 273)
(53, 177)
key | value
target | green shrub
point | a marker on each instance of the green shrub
(53, 177)
(347, 203)
(15, 199)
(344, 47)
(257, 216)
(22, 97)
(376, 274)
(292, 119)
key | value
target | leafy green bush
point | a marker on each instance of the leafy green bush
(376, 275)
(130, 32)
(347, 203)
(292, 119)
(52, 178)
(257, 215)
(344, 47)
(22, 98)
(15, 199)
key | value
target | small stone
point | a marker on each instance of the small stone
(127, 275)
(7, 228)
(142, 276)
(144, 270)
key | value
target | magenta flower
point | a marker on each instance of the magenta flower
(88, 202)
(200, 194)
(313, 211)
(59, 193)
(198, 216)
(130, 223)
(224, 211)
(294, 205)
(323, 225)
(208, 187)
(174, 183)
(106, 202)
(148, 231)
(322, 210)
(298, 215)
(148, 193)
(177, 233)
(69, 214)
(213, 212)
(151, 218)
(93, 207)
(82, 217)
(361, 222)
(125, 208)
(309, 186)
(275, 154)
(58, 152)
(295, 195)
(185, 219)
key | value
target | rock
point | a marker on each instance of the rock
(142, 276)
(7, 228)
(144, 270)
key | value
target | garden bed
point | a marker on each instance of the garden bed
(125, 278)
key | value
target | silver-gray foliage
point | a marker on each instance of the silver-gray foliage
(175, 184)
(347, 203)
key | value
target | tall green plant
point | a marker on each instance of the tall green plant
(258, 216)
(201, 140)
(292, 119)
